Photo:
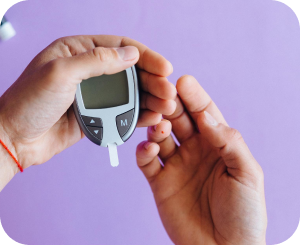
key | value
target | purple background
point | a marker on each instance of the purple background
(246, 54)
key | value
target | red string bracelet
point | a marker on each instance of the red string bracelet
(9, 152)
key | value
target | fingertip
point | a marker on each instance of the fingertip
(157, 118)
(145, 152)
(185, 81)
(136, 52)
(168, 68)
(168, 91)
(128, 53)
(171, 108)
(160, 132)
(148, 118)
(155, 63)
(174, 105)
(173, 91)
(166, 127)
(140, 147)
(147, 147)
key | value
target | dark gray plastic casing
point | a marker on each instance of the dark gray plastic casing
(109, 115)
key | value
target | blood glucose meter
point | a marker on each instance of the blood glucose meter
(107, 108)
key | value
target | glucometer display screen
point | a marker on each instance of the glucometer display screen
(105, 91)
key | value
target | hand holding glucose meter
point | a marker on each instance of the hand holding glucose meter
(107, 109)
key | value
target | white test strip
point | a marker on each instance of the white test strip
(113, 154)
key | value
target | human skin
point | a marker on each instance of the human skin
(210, 189)
(36, 117)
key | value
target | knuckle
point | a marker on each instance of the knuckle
(127, 41)
(62, 41)
(235, 135)
(55, 70)
(66, 44)
(56, 42)
(145, 101)
(55, 66)
(68, 39)
(234, 140)
(124, 38)
(103, 54)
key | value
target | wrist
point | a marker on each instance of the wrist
(7, 141)
(8, 167)
(263, 242)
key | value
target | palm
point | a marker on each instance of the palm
(201, 200)
(186, 182)
(211, 202)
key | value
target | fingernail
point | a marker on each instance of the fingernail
(147, 145)
(154, 127)
(127, 53)
(210, 119)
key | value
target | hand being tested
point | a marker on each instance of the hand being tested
(36, 120)
(210, 190)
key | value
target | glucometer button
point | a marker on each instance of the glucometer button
(92, 121)
(124, 121)
(97, 132)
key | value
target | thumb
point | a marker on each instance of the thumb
(96, 62)
(232, 148)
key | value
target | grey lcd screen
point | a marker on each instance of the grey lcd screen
(105, 91)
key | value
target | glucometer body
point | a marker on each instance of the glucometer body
(107, 107)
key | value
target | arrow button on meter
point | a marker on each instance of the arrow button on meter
(92, 121)
(97, 132)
